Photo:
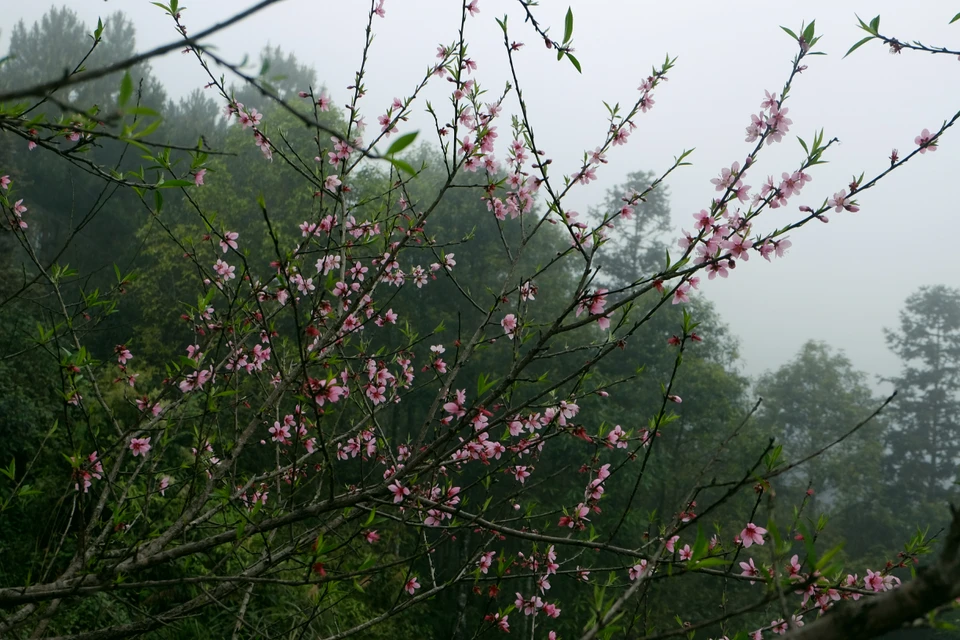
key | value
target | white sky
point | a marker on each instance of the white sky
(841, 282)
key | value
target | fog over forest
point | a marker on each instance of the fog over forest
(830, 289)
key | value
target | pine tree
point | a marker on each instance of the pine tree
(924, 447)
(635, 248)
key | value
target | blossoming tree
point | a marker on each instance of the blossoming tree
(310, 442)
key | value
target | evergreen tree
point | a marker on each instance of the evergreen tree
(813, 401)
(637, 247)
(54, 47)
(924, 446)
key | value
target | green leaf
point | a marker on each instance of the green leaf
(150, 128)
(402, 166)
(141, 111)
(955, 18)
(568, 26)
(485, 383)
(809, 32)
(706, 563)
(126, 89)
(700, 547)
(858, 45)
(822, 562)
(790, 33)
(402, 143)
(168, 184)
(99, 30)
(574, 62)
(10, 471)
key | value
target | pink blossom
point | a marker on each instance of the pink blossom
(486, 561)
(752, 534)
(925, 141)
(123, 354)
(140, 446)
(229, 240)
(727, 177)
(529, 607)
(750, 570)
(879, 582)
(851, 581)
(509, 324)
(198, 177)
(779, 124)
(249, 118)
(769, 101)
(399, 491)
(224, 270)
(411, 585)
(794, 567)
(280, 433)
(671, 542)
(4, 182)
(521, 473)
(195, 380)
(638, 570)
(840, 202)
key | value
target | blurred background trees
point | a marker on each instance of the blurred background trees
(896, 471)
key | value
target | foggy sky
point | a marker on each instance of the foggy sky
(841, 282)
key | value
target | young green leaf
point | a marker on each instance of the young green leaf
(402, 166)
(858, 45)
(168, 184)
(790, 33)
(568, 26)
(402, 143)
(126, 89)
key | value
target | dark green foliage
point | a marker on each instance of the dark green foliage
(924, 443)
(808, 403)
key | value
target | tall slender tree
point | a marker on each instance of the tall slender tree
(637, 247)
(924, 445)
